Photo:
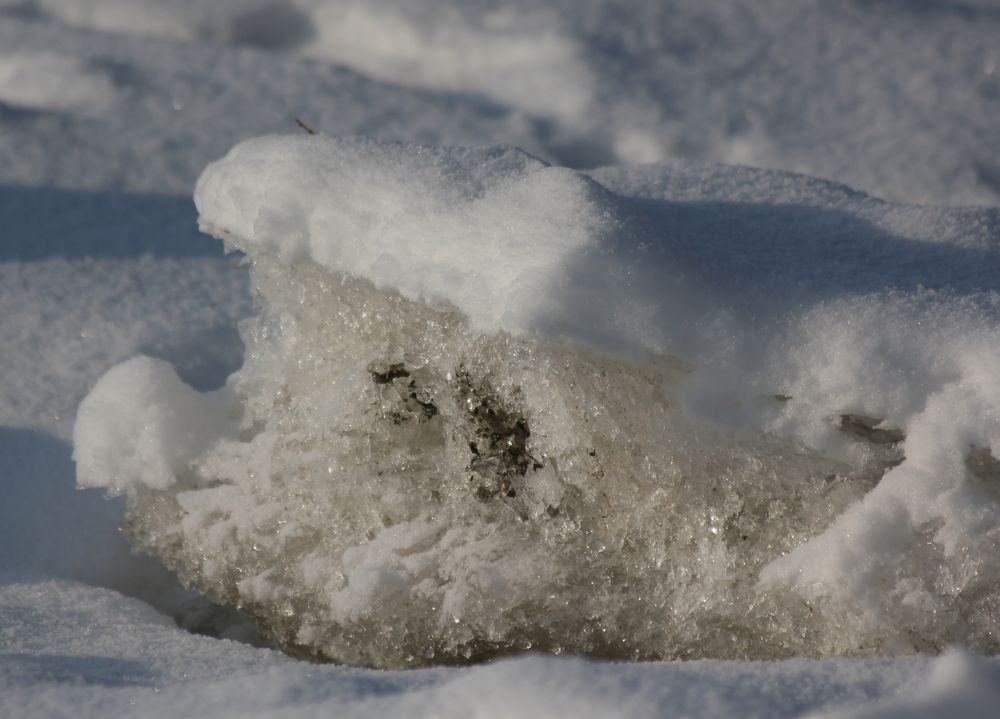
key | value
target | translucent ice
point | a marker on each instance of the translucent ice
(489, 405)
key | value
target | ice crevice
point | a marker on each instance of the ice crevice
(489, 405)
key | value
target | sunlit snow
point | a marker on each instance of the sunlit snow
(505, 360)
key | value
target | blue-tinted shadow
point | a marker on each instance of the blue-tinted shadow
(41, 223)
(36, 669)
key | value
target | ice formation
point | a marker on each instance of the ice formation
(489, 405)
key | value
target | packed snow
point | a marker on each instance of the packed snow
(833, 308)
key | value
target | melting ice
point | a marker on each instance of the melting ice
(489, 405)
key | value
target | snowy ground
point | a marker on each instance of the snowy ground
(110, 109)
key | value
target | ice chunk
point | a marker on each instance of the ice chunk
(409, 490)
(463, 422)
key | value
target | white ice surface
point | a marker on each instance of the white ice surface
(902, 101)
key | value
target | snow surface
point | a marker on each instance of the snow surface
(100, 261)
(82, 651)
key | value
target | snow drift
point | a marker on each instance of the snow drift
(490, 405)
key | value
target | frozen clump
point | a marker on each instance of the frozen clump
(141, 423)
(460, 429)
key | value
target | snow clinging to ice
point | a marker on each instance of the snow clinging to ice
(465, 227)
(488, 405)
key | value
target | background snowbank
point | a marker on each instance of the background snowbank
(896, 99)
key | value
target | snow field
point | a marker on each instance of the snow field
(110, 110)
(128, 660)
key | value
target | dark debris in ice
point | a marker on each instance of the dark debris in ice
(868, 429)
(413, 400)
(983, 464)
(499, 440)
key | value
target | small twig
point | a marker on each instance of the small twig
(304, 126)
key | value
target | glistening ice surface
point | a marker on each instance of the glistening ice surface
(489, 405)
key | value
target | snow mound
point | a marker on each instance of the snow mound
(175, 425)
(520, 56)
(488, 405)
(958, 684)
(127, 660)
(46, 81)
(466, 227)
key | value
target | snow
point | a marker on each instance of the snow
(891, 100)
(43, 81)
(110, 110)
(126, 661)
(173, 425)
(485, 229)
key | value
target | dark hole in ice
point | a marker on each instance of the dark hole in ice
(983, 465)
(200, 615)
(385, 372)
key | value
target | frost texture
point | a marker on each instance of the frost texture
(459, 433)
